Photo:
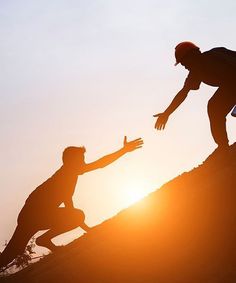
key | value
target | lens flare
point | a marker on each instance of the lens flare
(133, 193)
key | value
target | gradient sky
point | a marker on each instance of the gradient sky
(88, 73)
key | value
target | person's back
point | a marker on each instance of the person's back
(221, 62)
(216, 67)
(228, 56)
(52, 193)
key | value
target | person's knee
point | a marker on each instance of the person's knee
(78, 216)
(214, 111)
(211, 108)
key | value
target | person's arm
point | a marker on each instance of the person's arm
(108, 159)
(162, 118)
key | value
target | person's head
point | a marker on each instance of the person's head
(73, 156)
(186, 53)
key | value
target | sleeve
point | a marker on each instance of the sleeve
(192, 81)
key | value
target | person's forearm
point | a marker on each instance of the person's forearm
(104, 161)
(179, 98)
(110, 158)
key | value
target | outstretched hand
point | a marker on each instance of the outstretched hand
(132, 145)
(162, 119)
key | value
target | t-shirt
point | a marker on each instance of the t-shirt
(215, 67)
(54, 191)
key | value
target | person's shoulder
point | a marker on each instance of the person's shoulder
(57, 175)
(220, 51)
(213, 51)
(215, 54)
(65, 172)
(222, 55)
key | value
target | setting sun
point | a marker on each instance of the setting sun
(133, 193)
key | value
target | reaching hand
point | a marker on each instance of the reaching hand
(132, 145)
(161, 121)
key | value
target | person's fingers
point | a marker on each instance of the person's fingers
(133, 144)
(125, 139)
(156, 124)
(139, 140)
(138, 147)
(139, 144)
(157, 115)
(135, 147)
(136, 142)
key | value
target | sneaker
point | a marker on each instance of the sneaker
(220, 151)
(233, 113)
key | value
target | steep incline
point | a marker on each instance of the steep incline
(184, 232)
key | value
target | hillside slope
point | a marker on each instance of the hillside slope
(184, 232)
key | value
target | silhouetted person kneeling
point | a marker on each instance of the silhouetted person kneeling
(41, 210)
(216, 67)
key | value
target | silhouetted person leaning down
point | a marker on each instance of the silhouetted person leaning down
(41, 210)
(216, 67)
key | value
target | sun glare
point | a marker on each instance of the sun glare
(134, 193)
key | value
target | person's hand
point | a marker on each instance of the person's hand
(132, 145)
(162, 119)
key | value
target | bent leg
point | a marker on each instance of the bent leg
(16, 245)
(61, 221)
(218, 107)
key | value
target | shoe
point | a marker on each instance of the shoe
(220, 151)
(233, 113)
